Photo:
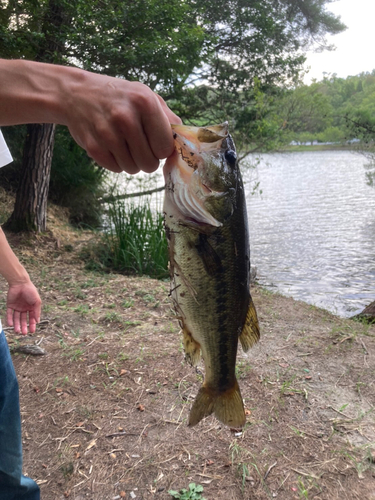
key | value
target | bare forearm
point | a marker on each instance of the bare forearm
(10, 267)
(122, 125)
(34, 92)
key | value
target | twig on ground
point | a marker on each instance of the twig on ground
(269, 470)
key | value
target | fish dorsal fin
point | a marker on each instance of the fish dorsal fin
(250, 331)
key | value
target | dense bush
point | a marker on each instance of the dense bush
(76, 182)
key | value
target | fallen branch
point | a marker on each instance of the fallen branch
(109, 199)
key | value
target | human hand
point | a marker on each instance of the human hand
(123, 125)
(23, 307)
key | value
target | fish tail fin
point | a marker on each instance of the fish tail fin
(227, 406)
(250, 332)
(202, 406)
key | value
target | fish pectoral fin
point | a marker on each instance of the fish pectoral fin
(250, 331)
(192, 348)
(227, 406)
(211, 260)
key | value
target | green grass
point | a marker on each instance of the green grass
(135, 240)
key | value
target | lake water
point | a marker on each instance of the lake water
(312, 229)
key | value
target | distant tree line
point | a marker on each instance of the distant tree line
(331, 110)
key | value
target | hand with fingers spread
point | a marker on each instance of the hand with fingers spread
(23, 307)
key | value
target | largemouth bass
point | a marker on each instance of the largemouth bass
(207, 231)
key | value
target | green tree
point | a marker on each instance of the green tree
(254, 51)
(307, 112)
(212, 60)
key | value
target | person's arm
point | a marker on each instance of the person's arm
(23, 301)
(123, 125)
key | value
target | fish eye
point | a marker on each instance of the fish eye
(231, 157)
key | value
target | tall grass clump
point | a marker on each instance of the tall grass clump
(135, 239)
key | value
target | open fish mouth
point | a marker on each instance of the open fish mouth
(195, 141)
(185, 185)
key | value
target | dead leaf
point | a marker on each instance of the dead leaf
(140, 407)
(91, 444)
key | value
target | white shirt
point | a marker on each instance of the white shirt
(5, 158)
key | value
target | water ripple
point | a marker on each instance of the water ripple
(313, 228)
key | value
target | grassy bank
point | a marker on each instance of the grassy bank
(105, 410)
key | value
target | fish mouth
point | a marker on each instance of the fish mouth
(185, 188)
(192, 141)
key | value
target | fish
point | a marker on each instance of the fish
(206, 226)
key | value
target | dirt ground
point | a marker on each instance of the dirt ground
(104, 411)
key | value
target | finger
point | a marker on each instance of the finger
(158, 131)
(104, 158)
(10, 316)
(36, 313)
(17, 321)
(172, 117)
(23, 321)
(112, 153)
(121, 153)
(99, 152)
(32, 322)
(137, 148)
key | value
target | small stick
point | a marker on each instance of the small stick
(269, 470)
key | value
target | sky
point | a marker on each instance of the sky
(355, 47)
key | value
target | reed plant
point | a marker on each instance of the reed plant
(135, 239)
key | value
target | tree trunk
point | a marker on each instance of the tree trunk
(30, 210)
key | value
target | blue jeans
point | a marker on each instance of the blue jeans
(13, 485)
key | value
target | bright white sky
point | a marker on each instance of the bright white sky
(355, 47)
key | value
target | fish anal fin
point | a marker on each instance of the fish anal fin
(250, 331)
(192, 347)
(227, 406)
